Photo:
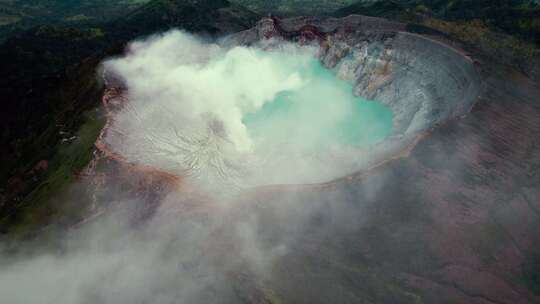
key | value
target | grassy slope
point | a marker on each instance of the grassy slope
(294, 7)
(20, 15)
(70, 111)
(44, 204)
(519, 18)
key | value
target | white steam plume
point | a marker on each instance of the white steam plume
(188, 101)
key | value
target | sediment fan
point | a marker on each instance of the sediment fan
(425, 81)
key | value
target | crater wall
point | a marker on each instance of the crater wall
(423, 80)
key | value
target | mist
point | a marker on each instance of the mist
(222, 251)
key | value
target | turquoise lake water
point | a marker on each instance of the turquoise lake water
(323, 111)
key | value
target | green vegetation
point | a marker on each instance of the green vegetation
(49, 74)
(5, 20)
(59, 127)
(508, 30)
(76, 18)
(519, 18)
(478, 33)
(294, 7)
(45, 203)
(388, 9)
(133, 2)
(19, 15)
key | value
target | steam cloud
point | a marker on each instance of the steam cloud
(189, 101)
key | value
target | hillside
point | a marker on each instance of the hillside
(20, 15)
(516, 17)
(48, 83)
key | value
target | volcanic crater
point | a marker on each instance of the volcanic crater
(424, 80)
